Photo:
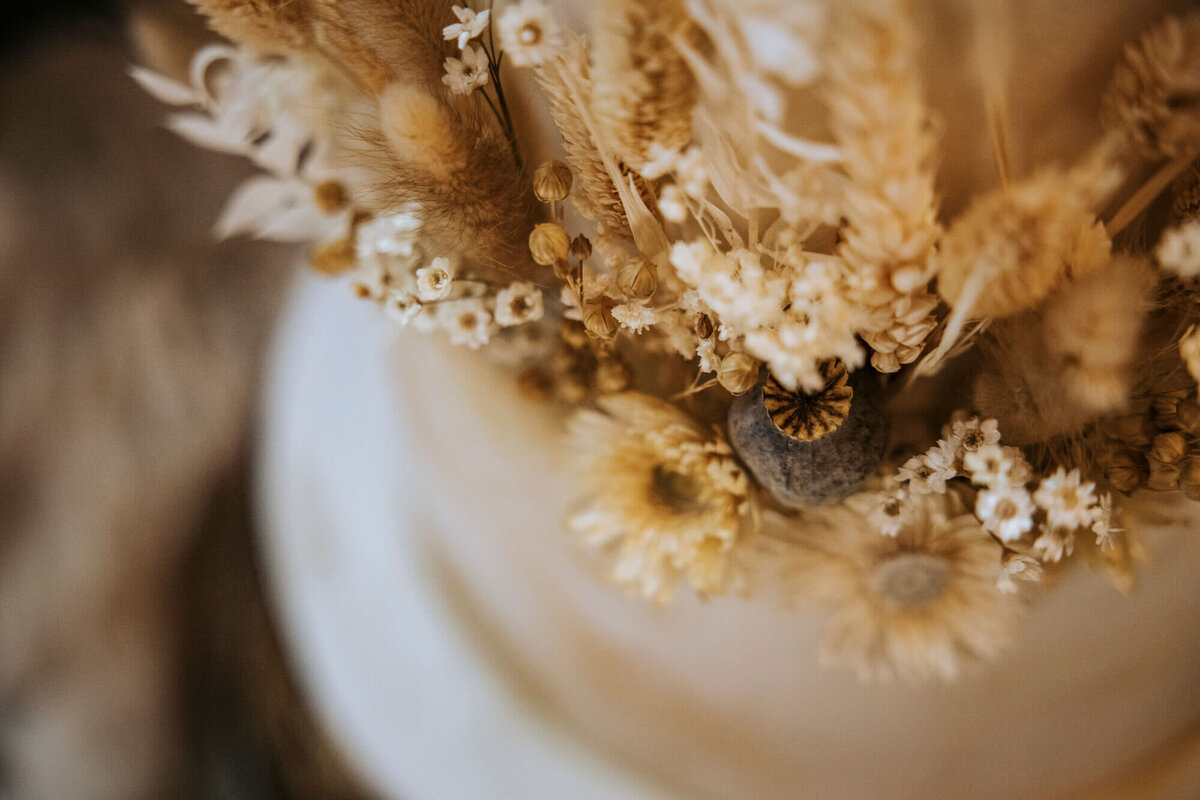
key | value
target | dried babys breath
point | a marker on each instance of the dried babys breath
(1154, 96)
(643, 92)
(1012, 247)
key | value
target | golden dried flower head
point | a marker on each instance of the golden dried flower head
(920, 604)
(664, 495)
(1154, 95)
(549, 243)
(738, 373)
(598, 319)
(638, 278)
(1012, 247)
(552, 181)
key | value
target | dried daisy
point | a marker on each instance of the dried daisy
(529, 35)
(663, 495)
(518, 303)
(921, 604)
(1154, 96)
(465, 75)
(643, 91)
(470, 25)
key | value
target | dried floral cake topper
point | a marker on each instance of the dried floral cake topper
(755, 298)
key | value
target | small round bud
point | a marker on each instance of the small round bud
(548, 243)
(581, 248)
(1189, 478)
(638, 278)
(1168, 447)
(1187, 417)
(1163, 477)
(1164, 405)
(330, 196)
(1127, 470)
(598, 319)
(704, 326)
(552, 181)
(611, 376)
(738, 373)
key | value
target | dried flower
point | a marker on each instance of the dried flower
(664, 495)
(470, 24)
(549, 243)
(1168, 447)
(528, 34)
(1105, 526)
(928, 472)
(581, 248)
(638, 278)
(402, 307)
(552, 181)
(465, 75)
(738, 373)
(1127, 470)
(1017, 567)
(518, 303)
(889, 511)
(435, 281)
(598, 318)
(921, 604)
(995, 466)
(636, 316)
(1069, 503)
(1179, 250)
(1152, 96)
(1006, 511)
(470, 323)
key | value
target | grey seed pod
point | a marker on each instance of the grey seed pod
(830, 466)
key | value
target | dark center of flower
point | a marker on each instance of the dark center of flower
(676, 491)
(530, 34)
(1005, 509)
(973, 439)
(909, 580)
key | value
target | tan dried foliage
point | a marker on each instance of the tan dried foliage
(643, 92)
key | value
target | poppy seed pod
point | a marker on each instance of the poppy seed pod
(552, 181)
(549, 243)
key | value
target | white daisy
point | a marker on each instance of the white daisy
(993, 465)
(888, 512)
(1006, 511)
(971, 434)
(1105, 526)
(1069, 503)
(1018, 568)
(1055, 543)
(470, 324)
(469, 73)
(928, 472)
(528, 34)
(469, 25)
(403, 307)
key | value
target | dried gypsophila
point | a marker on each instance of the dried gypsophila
(663, 496)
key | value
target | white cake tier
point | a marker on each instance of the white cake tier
(458, 645)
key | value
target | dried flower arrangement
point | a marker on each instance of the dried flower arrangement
(741, 282)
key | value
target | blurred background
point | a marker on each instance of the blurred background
(137, 657)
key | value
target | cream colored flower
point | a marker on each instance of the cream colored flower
(636, 316)
(1105, 526)
(968, 435)
(1179, 250)
(469, 322)
(888, 512)
(469, 25)
(528, 34)
(465, 75)
(664, 496)
(435, 281)
(673, 204)
(993, 465)
(1006, 511)
(918, 605)
(519, 303)
(403, 307)
(1017, 567)
(1069, 503)
(928, 473)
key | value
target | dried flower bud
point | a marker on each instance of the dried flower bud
(1127, 470)
(1187, 417)
(1163, 477)
(1189, 478)
(581, 248)
(552, 181)
(598, 318)
(1168, 447)
(611, 376)
(1134, 429)
(549, 243)
(1164, 405)
(330, 196)
(738, 373)
(704, 326)
(638, 278)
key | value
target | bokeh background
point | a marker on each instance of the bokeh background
(137, 656)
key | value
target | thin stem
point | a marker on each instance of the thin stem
(1138, 201)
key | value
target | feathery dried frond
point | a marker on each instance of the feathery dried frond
(596, 197)
(881, 124)
(1154, 96)
(643, 92)
(269, 26)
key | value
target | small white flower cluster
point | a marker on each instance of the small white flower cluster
(1004, 505)
(465, 75)
(426, 294)
(1179, 250)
